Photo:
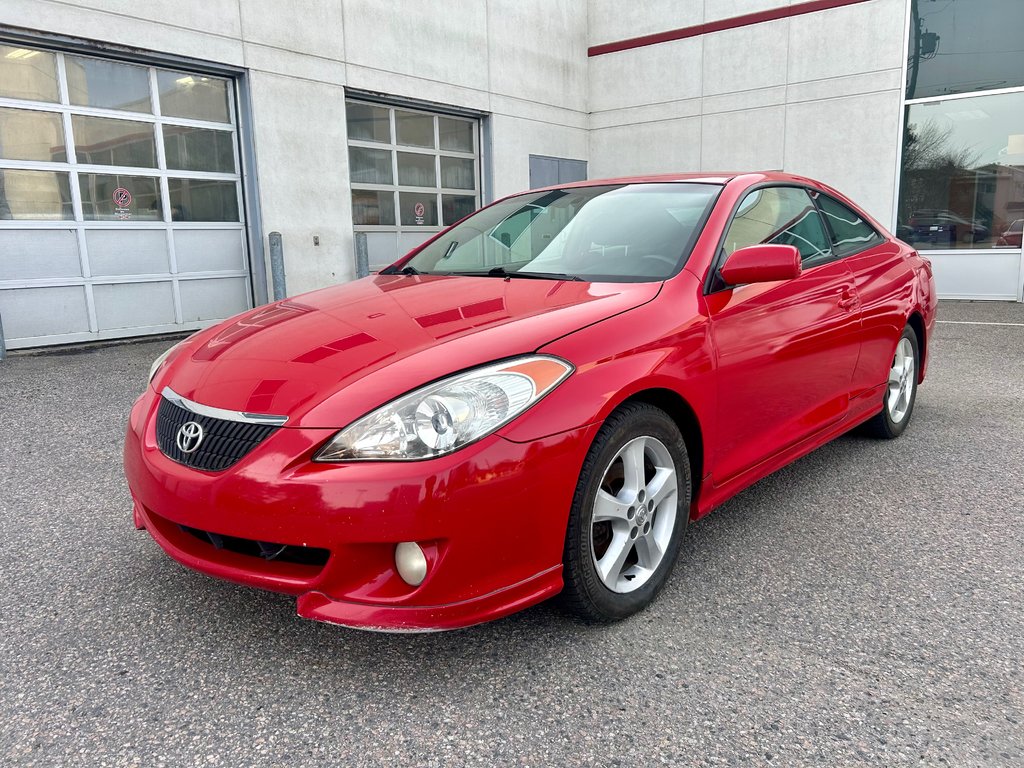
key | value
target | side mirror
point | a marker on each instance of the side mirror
(761, 264)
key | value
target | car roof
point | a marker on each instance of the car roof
(707, 177)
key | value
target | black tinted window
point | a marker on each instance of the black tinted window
(850, 233)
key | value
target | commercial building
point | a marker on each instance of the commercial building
(147, 150)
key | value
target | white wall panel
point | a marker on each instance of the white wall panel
(127, 252)
(133, 305)
(208, 250)
(660, 147)
(748, 139)
(746, 58)
(34, 312)
(213, 299)
(33, 254)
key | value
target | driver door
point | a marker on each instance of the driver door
(786, 351)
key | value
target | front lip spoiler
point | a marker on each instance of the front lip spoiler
(222, 413)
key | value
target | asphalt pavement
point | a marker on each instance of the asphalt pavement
(862, 606)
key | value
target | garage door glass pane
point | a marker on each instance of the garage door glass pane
(455, 207)
(373, 208)
(113, 197)
(193, 96)
(30, 135)
(28, 74)
(416, 170)
(203, 200)
(417, 209)
(198, 149)
(455, 135)
(368, 123)
(457, 173)
(414, 130)
(35, 195)
(107, 84)
(108, 141)
(370, 166)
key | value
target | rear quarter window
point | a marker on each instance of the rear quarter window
(850, 233)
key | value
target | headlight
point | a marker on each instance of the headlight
(155, 367)
(449, 414)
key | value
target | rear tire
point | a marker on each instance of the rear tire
(900, 391)
(628, 515)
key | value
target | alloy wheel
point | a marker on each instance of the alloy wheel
(634, 514)
(901, 381)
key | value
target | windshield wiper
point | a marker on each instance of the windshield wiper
(501, 272)
(410, 270)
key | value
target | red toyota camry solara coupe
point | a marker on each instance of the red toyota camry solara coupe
(536, 401)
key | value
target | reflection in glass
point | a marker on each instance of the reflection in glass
(417, 209)
(414, 129)
(26, 73)
(109, 141)
(457, 173)
(203, 200)
(962, 179)
(107, 84)
(198, 97)
(455, 135)
(415, 170)
(369, 166)
(368, 123)
(959, 46)
(373, 208)
(35, 195)
(104, 197)
(31, 135)
(455, 207)
(198, 149)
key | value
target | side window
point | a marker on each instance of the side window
(780, 215)
(850, 233)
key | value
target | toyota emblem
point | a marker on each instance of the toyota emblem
(189, 437)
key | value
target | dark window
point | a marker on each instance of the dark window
(850, 233)
(779, 215)
(961, 46)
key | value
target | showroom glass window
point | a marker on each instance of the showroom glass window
(962, 174)
(412, 172)
(120, 197)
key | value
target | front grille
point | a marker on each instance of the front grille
(224, 442)
(283, 553)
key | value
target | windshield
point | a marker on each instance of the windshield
(620, 233)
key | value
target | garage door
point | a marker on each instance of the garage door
(413, 172)
(120, 199)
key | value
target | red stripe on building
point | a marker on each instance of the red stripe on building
(718, 26)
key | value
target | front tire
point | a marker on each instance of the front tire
(900, 391)
(628, 515)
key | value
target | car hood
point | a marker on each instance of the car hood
(326, 358)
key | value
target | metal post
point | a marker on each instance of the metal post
(277, 265)
(362, 255)
(3, 345)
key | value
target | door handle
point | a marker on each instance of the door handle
(847, 299)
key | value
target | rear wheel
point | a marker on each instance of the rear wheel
(900, 391)
(629, 512)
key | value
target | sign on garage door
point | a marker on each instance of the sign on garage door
(120, 199)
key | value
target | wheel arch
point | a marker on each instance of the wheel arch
(916, 321)
(683, 414)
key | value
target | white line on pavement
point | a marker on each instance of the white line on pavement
(978, 322)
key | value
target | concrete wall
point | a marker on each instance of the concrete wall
(818, 94)
(301, 55)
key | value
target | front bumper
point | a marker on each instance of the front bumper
(490, 518)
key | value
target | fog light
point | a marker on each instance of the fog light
(411, 563)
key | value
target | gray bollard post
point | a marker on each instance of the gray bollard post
(277, 265)
(362, 255)
(3, 344)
